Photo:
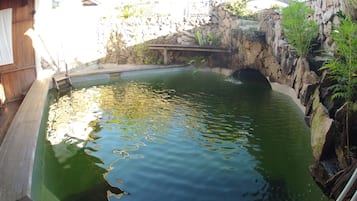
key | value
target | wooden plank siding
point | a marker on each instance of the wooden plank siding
(18, 77)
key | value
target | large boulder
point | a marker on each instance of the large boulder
(322, 131)
(302, 66)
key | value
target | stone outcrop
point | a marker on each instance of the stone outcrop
(312, 87)
(128, 39)
(325, 15)
(322, 130)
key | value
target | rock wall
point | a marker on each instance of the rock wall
(314, 89)
(128, 39)
(325, 15)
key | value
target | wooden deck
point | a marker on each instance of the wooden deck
(194, 48)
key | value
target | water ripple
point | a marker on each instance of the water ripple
(212, 139)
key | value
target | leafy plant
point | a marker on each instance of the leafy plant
(237, 7)
(298, 29)
(213, 40)
(344, 66)
(199, 38)
(130, 11)
(196, 60)
(142, 53)
(353, 3)
(210, 39)
(276, 7)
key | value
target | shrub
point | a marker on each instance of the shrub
(353, 3)
(344, 66)
(210, 39)
(213, 40)
(299, 31)
(128, 11)
(239, 8)
(197, 60)
(199, 38)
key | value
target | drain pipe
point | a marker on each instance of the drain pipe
(348, 187)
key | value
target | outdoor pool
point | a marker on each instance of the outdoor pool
(167, 135)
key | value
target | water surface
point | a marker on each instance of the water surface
(183, 135)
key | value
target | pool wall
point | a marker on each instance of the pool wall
(17, 153)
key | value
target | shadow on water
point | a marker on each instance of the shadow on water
(252, 77)
(64, 169)
(79, 173)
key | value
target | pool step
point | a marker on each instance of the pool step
(62, 83)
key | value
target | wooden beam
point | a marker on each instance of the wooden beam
(177, 47)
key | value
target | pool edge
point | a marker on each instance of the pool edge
(17, 151)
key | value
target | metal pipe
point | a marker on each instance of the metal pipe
(349, 184)
(354, 198)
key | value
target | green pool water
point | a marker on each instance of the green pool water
(182, 135)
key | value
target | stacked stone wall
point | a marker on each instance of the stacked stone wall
(314, 89)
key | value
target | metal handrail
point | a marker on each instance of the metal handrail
(348, 186)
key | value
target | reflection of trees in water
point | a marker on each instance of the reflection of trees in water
(272, 190)
(139, 112)
(70, 173)
(133, 101)
(77, 178)
(135, 110)
(71, 116)
(280, 144)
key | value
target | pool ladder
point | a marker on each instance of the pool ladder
(62, 83)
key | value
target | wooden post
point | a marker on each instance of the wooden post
(165, 56)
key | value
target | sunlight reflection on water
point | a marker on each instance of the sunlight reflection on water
(184, 136)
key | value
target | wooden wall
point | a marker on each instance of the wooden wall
(18, 77)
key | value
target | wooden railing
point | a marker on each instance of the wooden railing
(177, 47)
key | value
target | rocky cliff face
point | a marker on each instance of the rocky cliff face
(312, 87)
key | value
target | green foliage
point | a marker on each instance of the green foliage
(344, 66)
(239, 8)
(130, 11)
(213, 40)
(197, 60)
(210, 39)
(199, 38)
(298, 29)
(353, 3)
(143, 55)
(141, 47)
(276, 7)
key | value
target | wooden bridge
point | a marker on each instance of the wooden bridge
(195, 48)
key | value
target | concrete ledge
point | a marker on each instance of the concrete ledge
(17, 151)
